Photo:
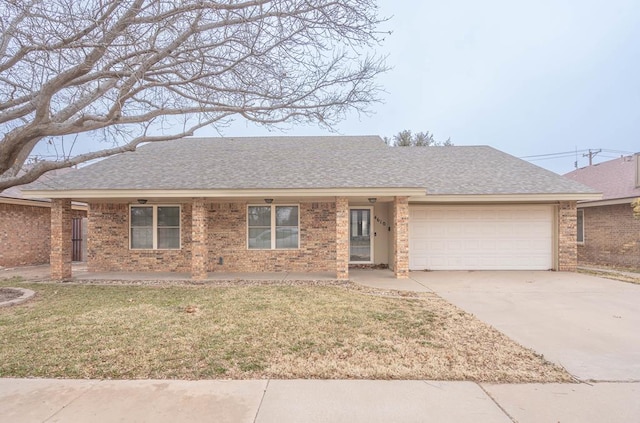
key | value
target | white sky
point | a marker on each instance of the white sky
(528, 78)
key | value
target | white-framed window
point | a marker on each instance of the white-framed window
(273, 226)
(154, 227)
(580, 226)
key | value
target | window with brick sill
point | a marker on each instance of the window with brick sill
(272, 227)
(154, 227)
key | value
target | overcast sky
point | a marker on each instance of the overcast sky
(528, 78)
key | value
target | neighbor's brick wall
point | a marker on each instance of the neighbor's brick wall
(611, 237)
(567, 233)
(25, 234)
(228, 239)
(108, 243)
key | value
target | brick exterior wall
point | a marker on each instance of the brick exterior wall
(611, 237)
(567, 233)
(25, 234)
(228, 239)
(400, 236)
(342, 238)
(108, 243)
(200, 250)
(60, 258)
(324, 240)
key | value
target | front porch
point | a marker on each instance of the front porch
(217, 240)
(374, 278)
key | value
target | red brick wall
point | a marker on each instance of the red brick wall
(25, 234)
(228, 239)
(400, 237)
(611, 237)
(567, 235)
(342, 238)
(108, 243)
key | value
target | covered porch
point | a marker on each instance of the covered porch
(375, 278)
(215, 239)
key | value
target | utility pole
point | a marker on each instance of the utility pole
(591, 154)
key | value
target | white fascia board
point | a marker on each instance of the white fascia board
(501, 198)
(21, 202)
(611, 202)
(39, 203)
(225, 193)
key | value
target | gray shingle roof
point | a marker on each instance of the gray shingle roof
(480, 170)
(16, 191)
(315, 162)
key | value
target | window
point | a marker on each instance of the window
(580, 226)
(272, 227)
(155, 227)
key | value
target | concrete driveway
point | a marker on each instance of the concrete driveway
(589, 325)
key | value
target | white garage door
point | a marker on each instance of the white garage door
(481, 237)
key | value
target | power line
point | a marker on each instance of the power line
(553, 154)
(591, 154)
(551, 158)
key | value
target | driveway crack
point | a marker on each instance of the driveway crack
(506, 413)
(264, 393)
(84, 392)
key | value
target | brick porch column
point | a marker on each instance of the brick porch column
(199, 233)
(342, 238)
(60, 258)
(567, 236)
(400, 236)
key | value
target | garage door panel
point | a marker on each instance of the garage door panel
(481, 237)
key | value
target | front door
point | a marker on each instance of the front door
(360, 250)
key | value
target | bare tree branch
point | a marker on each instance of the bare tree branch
(110, 69)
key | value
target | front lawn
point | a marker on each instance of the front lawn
(252, 332)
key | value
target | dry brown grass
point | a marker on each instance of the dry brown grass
(248, 332)
(629, 276)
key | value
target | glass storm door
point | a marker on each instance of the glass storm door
(360, 236)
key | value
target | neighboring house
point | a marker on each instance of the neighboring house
(25, 227)
(608, 234)
(317, 204)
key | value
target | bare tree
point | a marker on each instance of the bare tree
(406, 138)
(134, 71)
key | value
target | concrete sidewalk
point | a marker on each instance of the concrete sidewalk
(284, 401)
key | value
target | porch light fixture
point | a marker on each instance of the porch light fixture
(268, 200)
(142, 201)
(372, 200)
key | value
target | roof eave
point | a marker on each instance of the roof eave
(498, 198)
(607, 202)
(38, 202)
(223, 193)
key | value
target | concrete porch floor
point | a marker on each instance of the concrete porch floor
(80, 272)
(377, 278)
